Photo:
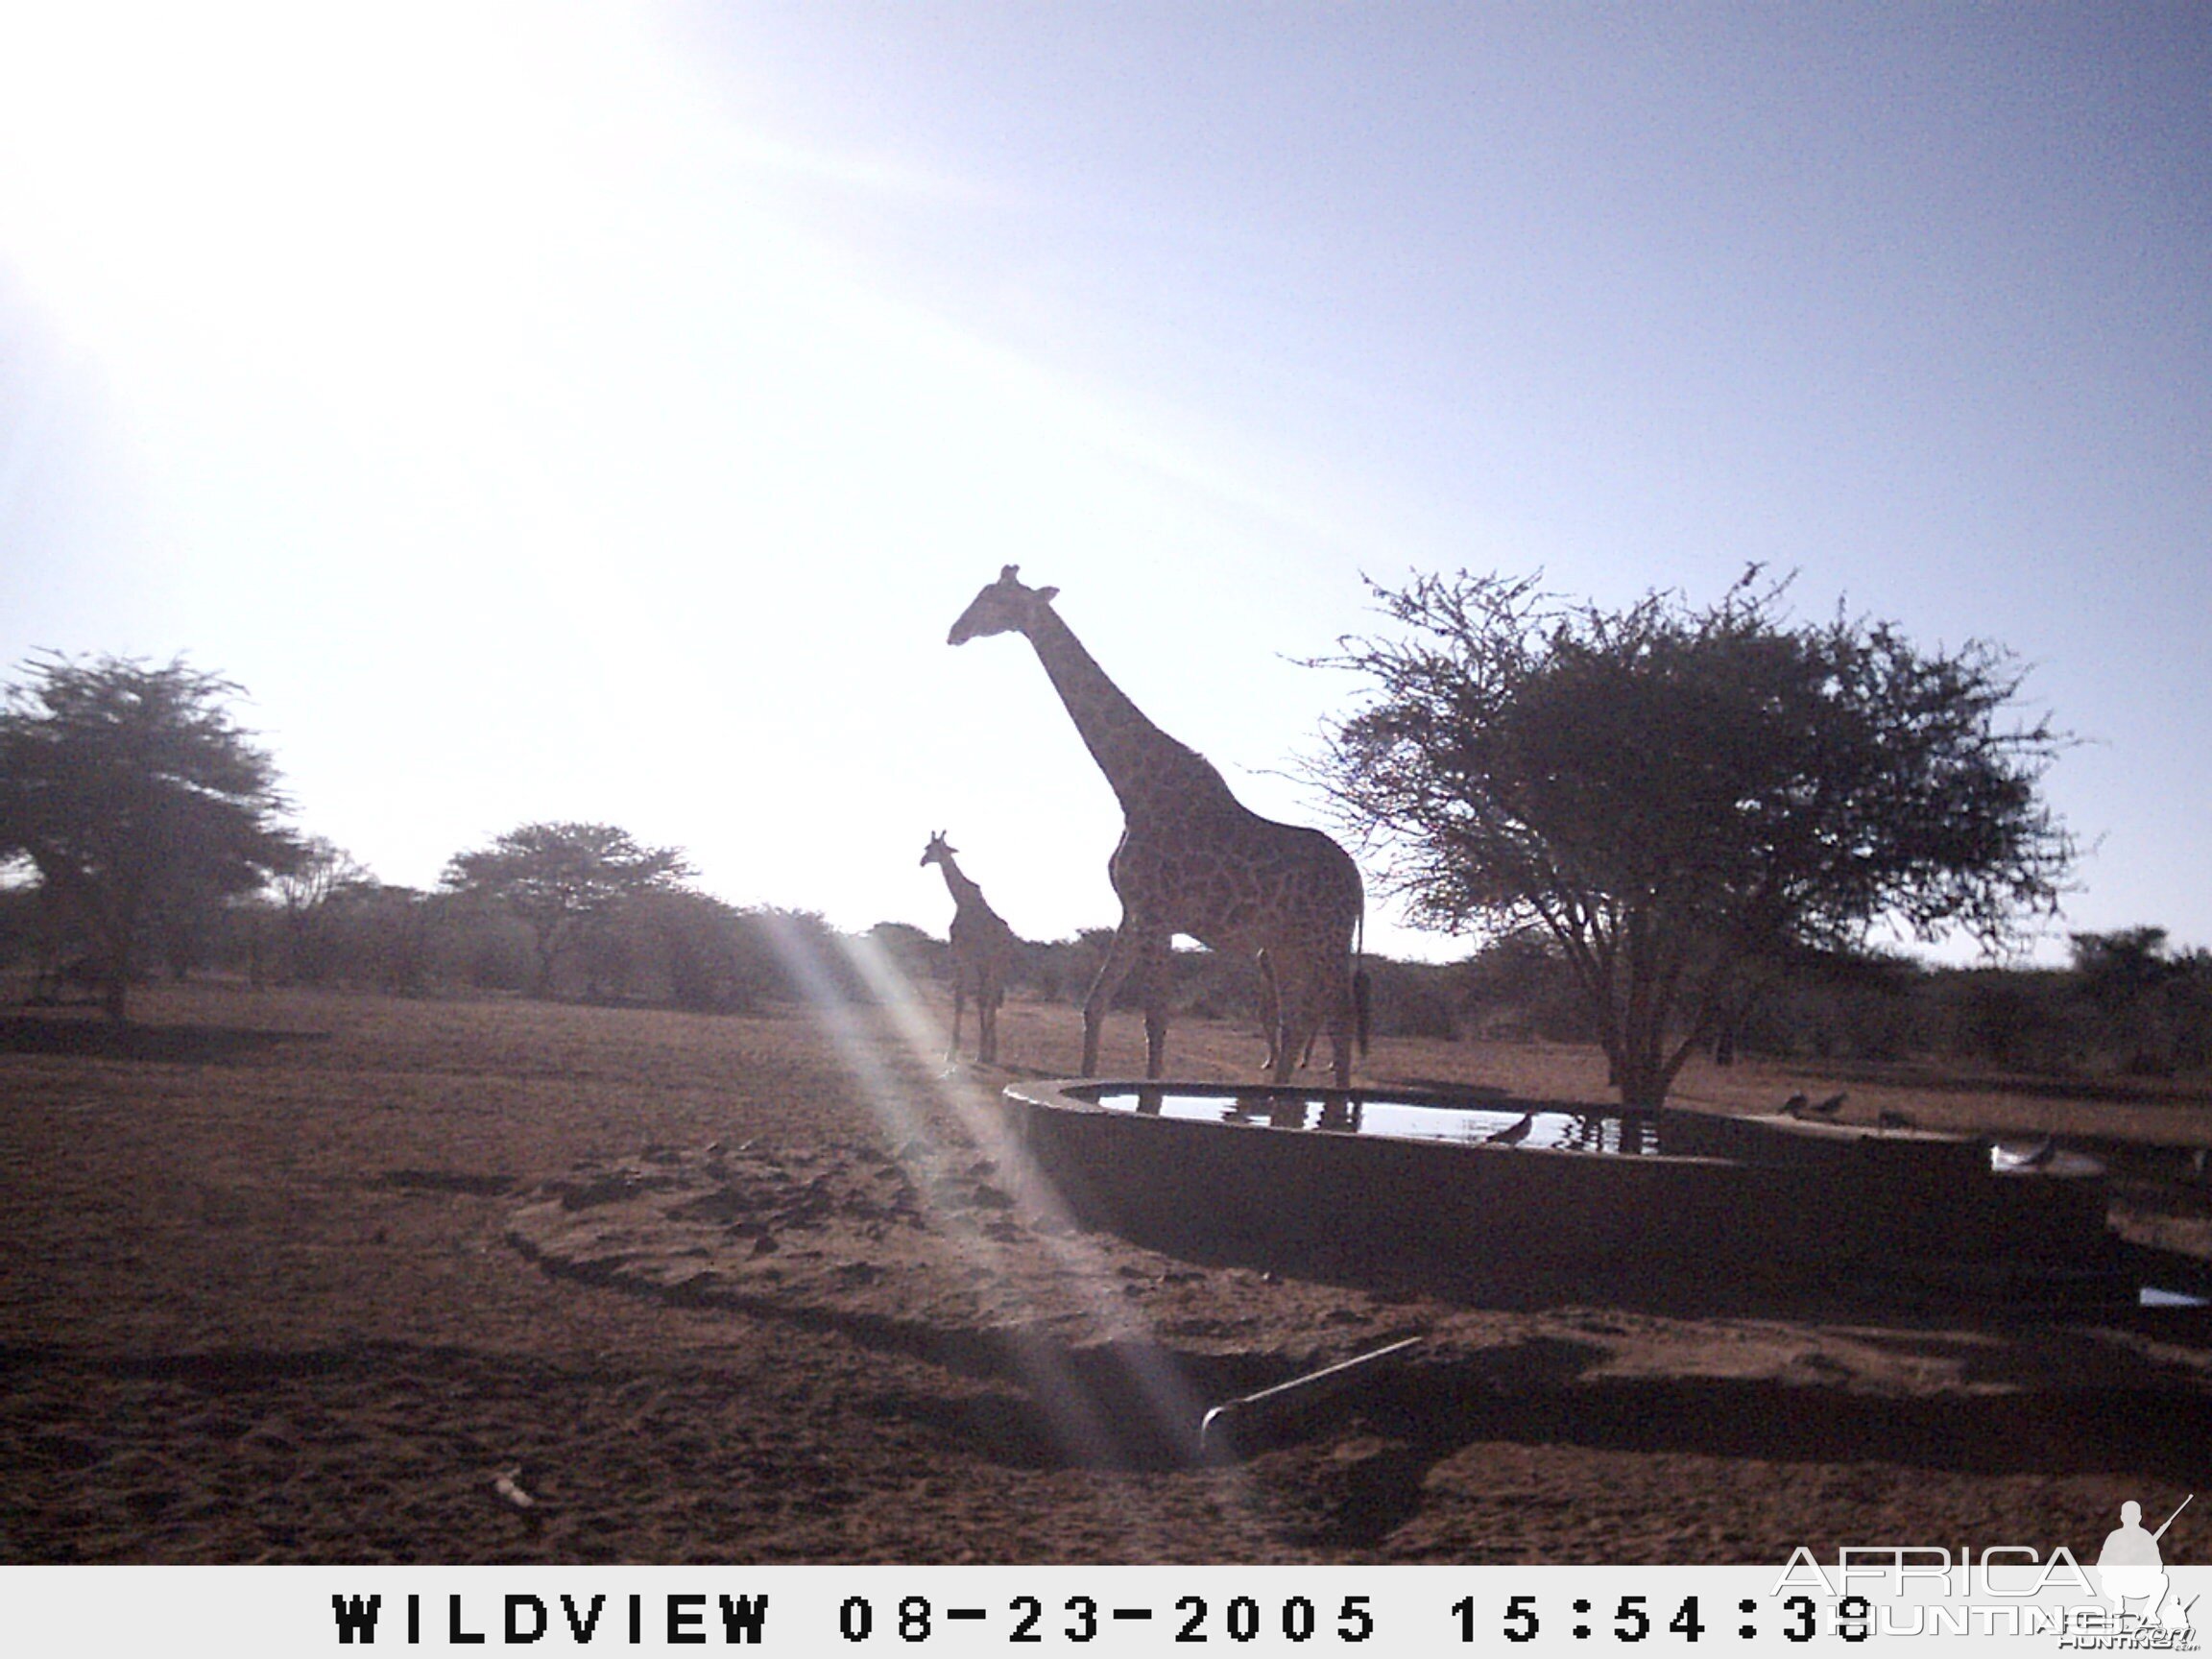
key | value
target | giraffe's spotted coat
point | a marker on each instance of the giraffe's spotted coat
(1193, 859)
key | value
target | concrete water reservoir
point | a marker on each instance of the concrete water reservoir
(1291, 1173)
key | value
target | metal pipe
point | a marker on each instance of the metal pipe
(1271, 1407)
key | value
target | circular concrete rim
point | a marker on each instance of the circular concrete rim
(1070, 1095)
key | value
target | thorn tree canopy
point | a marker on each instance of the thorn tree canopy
(559, 878)
(1676, 796)
(132, 795)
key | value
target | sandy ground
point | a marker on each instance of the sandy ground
(295, 1277)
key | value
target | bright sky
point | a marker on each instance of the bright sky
(602, 413)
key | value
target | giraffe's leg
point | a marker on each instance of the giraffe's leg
(1343, 1015)
(1121, 955)
(1157, 981)
(987, 1018)
(1300, 992)
(1270, 1012)
(1278, 1033)
(959, 1006)
(1287, 1034)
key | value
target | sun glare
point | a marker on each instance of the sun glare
(1169, 1396)
(494, 303)
(510, 260)
(493, 331)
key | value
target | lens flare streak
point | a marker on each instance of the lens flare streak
(1076, 1417)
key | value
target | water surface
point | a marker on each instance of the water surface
(1546, 1128)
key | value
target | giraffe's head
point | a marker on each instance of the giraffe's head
(939, 849)
(1005, 607)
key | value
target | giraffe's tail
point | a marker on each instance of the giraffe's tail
(1360, 984)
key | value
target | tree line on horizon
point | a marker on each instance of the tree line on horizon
(1676, 828)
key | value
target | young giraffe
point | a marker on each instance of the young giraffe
(1194, 860)
(983, 953)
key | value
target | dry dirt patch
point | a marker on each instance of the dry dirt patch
(763, 1289)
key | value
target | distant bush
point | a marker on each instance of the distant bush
(665, 948)
(1520, 986)
(2127, 1006)
(915, 954)
(1415, 999)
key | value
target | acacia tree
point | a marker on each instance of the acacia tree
(306, 896)
(561, 877)
(1676, 796)
(133, 797)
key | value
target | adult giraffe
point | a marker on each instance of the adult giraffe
(1193, 859)
(982, 952)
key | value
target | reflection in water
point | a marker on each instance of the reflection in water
(1506, 1124)
(1341, 1116)
(1587, 1135)
(1334, 1116)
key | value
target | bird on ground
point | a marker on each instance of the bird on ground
(1794, 1106)
(1829, 1107)
(1513, 1134)
(1895, 1121)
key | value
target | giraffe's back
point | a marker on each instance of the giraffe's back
(1240, 883)
(979, 927)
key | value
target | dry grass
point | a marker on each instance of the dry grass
(260, 1304)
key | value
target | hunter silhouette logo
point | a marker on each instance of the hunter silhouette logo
(2130, 1569)
(2125, 1601)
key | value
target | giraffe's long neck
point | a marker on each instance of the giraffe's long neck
(966, 895)
(1146, 768)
